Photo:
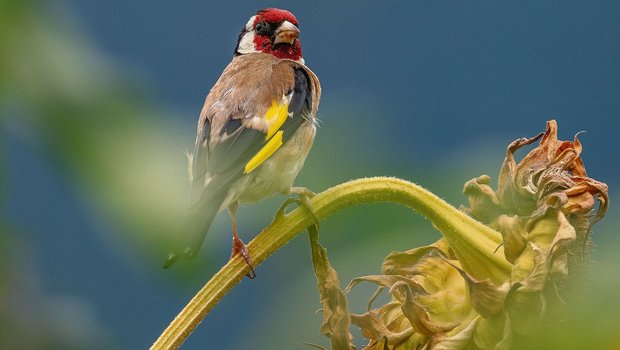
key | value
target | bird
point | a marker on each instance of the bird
(255, 129)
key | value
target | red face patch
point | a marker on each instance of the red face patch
(274, 15)
(264, 43)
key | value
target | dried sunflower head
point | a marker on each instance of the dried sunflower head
(545, 197)
(543, 208)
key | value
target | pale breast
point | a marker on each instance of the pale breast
(278, 172)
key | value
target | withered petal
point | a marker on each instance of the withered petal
(372, 328)
(564, 237)
(513, 232)
(404, 263)
(530, 271)
(419, 317)
(484, 204)
(336, 317)
(486, 298)
(508, 174)
(595, 188)
(386, 281)
(459, 340)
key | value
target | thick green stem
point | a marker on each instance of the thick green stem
(474, 243)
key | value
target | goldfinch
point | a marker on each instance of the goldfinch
(255, 129)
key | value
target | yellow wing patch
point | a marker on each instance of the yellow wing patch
(275, 117)
(272, 145)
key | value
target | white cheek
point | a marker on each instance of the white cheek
(250, 24)
(246, 45)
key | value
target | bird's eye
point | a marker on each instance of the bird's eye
(262, 28)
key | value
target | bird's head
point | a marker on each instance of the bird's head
(271, 31)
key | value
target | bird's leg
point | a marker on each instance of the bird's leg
(238, 247)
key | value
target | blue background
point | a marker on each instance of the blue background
(428, 91)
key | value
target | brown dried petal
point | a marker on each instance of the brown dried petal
(372, 328)
(552, 181)
(386, 281)
(336, 318)
(418, 316)
(392, 317)
(525, 304)
(449, 305)
(404, 263)
(486, 298)
(484, 205)
(542, 156)
(550, 168)
(435, 275)
(564, 237)
(554, 235)
(508, 189)
(458, 341)
(543, 228)
(530, 271)
(594, 188)
(416, 341)
(513, 232)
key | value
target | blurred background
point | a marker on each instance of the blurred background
(98, 103)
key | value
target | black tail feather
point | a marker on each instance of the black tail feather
(196, 227)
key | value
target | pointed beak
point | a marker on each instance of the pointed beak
(287, 32)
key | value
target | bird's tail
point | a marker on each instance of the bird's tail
(196, 226)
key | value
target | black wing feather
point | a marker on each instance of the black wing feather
(300, 105)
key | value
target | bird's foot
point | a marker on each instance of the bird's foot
(303, 200)
(240, 248)
(303, 192)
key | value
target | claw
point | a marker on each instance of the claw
(302, 201)
(302, 192)
(240, 248)
(287, 202)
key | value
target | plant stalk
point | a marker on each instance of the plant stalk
(471, 241)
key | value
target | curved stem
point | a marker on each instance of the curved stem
(474, 243)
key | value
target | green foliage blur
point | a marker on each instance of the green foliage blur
(124, 154)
